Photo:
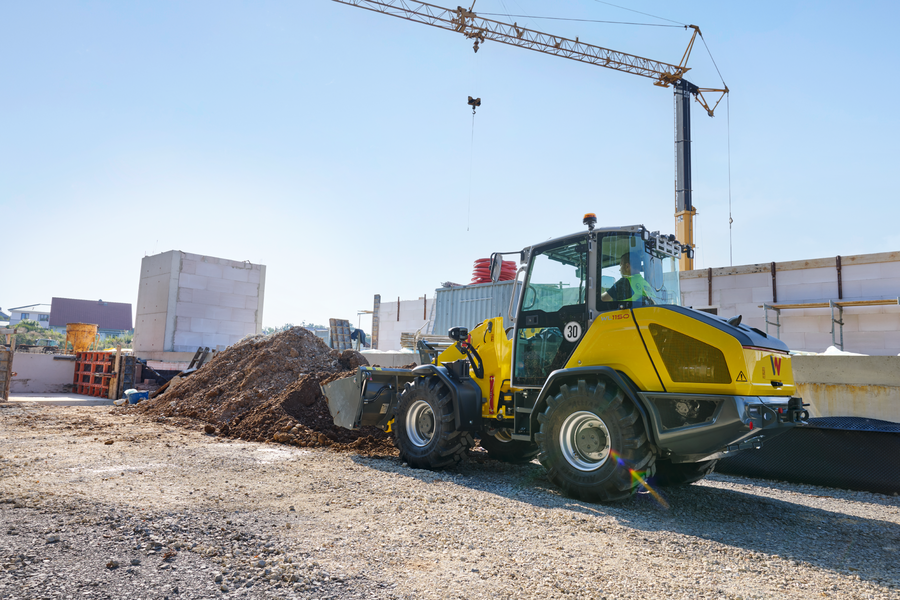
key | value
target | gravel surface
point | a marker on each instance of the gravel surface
(97, 503)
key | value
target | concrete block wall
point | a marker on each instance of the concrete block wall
(186, 301)
(403, 316)
(873, 330)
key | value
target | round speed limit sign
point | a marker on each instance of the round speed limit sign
(572, 331)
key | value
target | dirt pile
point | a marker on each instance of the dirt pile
(266, 389)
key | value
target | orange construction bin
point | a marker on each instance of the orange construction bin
(81, 335)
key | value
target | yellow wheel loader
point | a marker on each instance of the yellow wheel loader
(601, 374)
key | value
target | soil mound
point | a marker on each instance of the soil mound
(266, 389)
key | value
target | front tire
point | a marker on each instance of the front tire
(424, 428)
(502, 447)
(592, 442)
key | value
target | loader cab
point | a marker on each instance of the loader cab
(572, 280)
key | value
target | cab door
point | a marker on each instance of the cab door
(554, 312)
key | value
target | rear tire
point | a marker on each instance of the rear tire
(503, 448)
(424, 428)
(669, 474)
(592, 442)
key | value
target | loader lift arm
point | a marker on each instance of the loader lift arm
(480, 29)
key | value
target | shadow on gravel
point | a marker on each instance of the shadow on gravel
(835, 541)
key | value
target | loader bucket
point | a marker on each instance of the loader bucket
(367, 398)
(344, 400)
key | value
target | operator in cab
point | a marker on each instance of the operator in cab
(632, 287)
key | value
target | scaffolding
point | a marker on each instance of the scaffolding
(837, 314)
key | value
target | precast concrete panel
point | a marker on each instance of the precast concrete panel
(242, 275)
(213, 271)
(198, 301)
(858, 272)
(195, 282)
(819, 276)
(207, 297)
(246, 289)
(224, 286)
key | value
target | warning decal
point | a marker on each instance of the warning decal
(741, 377)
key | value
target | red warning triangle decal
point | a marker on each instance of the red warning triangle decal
(741, 378)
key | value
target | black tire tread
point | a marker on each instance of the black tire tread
(450, 446)
(609, 401)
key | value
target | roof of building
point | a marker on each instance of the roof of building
(30, 307)
(105, 315)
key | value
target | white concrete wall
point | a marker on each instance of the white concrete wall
(154, 324)
(390, 359)
(41, 374)
(411, 319)
(849, 386)
(744, 289)
(186, 301)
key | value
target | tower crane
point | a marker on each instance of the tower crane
(480, 29)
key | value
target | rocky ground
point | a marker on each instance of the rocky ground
(110, 503)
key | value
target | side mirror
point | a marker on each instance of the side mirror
(458, 334)
(496, 267)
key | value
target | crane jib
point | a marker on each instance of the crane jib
(480, 29)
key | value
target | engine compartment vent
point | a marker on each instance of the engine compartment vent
(688, 360)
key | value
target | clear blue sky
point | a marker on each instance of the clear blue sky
(334, 145)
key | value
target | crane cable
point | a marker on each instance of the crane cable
(728, 129)
(471, 167)
(730, 220)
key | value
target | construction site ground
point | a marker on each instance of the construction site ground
(234, 483)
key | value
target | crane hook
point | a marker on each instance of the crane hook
(474, 103)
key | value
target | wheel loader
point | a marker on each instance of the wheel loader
(601, 375)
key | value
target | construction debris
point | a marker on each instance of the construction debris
(267, 389)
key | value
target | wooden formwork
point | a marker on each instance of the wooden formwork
(93, 372)
(6, 357)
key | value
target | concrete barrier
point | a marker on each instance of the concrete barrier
(849, 386)
(42, 374)
(390, 360)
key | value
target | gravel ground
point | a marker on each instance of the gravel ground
(164, 512)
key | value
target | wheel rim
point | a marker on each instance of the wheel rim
(584, 441)
(420, 423)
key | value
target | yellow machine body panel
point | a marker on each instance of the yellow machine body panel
(613, 341)
(768, 367)
(495, 349)
(658, 349)
(694, 357)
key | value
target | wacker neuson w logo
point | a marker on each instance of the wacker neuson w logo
(776, 366)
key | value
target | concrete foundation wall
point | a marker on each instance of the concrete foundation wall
(413, 315)
(186, 301)
(41, 374)
(873, 330)
(849, 386)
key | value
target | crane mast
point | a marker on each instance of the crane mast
(480, 29)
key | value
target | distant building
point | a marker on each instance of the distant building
(30, 312)
(111, 318)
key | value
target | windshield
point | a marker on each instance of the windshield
(633, 275)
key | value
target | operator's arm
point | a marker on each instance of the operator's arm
(620, 289)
